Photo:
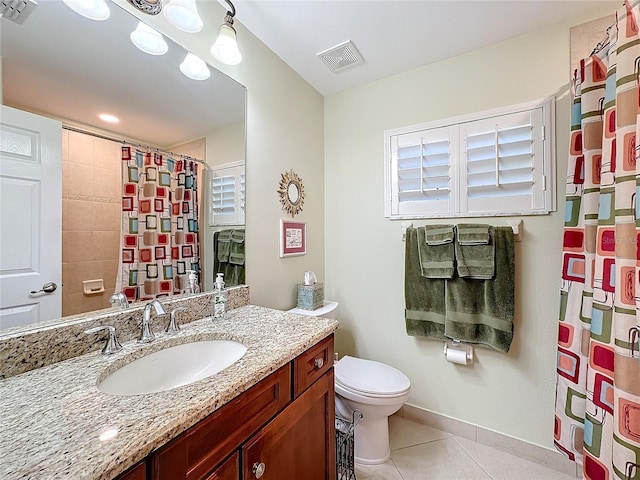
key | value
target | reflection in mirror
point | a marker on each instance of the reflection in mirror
(293, 193)
(65, 67)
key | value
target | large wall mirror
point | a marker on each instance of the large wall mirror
(60, 65)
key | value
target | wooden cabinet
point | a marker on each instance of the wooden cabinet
(137, 472)
(285, 422)
(193, 454)
(299, 443)
(229, 470)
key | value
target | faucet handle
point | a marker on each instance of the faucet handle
(112, 345)
(173, 326)
(120, 299)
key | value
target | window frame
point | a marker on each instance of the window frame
(543, 162)
(237, 170)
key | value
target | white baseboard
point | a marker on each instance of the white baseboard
(535, 453)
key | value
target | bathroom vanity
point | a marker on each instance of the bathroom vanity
(269, 415)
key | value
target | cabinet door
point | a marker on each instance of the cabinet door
(197, 451)
(229, 470)
(300, 442)
(139, 472)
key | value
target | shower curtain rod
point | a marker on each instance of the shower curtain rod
(133, 144)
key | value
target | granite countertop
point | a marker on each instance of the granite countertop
(53, 418)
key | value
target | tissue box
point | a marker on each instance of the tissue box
(310, 297)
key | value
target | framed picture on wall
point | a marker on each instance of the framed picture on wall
(293, 238)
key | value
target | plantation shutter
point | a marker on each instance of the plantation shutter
(227, 196)
(501, 172)
(421, 171)
(492, 163)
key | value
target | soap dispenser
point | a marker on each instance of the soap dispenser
(219, 299)
(193, 286)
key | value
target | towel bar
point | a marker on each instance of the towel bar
(518, 231)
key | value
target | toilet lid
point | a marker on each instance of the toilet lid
(370, 377)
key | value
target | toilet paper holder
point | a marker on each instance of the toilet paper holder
(452, 346)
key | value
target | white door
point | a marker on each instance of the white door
(30, 217)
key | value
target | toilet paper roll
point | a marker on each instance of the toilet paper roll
(456, 356)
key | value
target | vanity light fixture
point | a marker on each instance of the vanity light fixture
(194, 68)
(91, 9)
(225, 49)
(148, 40)
(107, 117)
(183, 15)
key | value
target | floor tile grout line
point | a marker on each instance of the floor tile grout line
(472, 459)
(421, 443)
(397, 469)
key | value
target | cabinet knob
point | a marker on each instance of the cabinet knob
(258, 469)
(318, 362)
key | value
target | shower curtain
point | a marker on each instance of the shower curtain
(159, 224)
(597, 421)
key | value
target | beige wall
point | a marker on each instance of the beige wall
(509, 393)
(284, 127)
(91, 202)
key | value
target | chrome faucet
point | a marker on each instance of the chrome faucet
(119, 298)
(173, 326)
(112, 345)
(146, 334)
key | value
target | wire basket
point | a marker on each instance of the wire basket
(345, 463)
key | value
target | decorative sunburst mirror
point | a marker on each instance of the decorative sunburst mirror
(291, 193)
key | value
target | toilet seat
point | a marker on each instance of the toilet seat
(369, 378)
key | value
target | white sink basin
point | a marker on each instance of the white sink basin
(173, 367)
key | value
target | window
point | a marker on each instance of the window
(227, 194)
(498, 162)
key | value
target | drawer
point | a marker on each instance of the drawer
(312, 364)
(229, 470)
(197, 451)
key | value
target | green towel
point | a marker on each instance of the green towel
(424, 297)
(236, 252)
(481, 311)
(436, 260)
(472, 234)
(476, 261)
(224, 245)
(438, 234)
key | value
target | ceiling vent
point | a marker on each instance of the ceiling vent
(16, 10)
(341, 57)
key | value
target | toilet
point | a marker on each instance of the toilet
(377, 390)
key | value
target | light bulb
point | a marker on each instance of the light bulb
(91, 9)
(225, 49)
(194, 68)
(183, 15)
(148, 40)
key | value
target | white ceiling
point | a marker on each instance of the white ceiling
(393, 36)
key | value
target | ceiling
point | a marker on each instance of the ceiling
(393, 36)
(60, 64)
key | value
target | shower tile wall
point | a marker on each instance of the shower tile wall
(91, 200)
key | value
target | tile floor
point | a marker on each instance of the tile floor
(419, 452)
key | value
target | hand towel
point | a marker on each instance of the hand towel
(223, 245)
(424, 297)
(472, 234)
(436, 259)
(482, 311)
(439, 234)
(236, 252)
(478, 260)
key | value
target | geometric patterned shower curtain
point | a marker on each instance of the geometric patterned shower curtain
(597, 419)
(159, 224)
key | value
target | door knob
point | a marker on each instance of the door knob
(47, 288)
(258, 469)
